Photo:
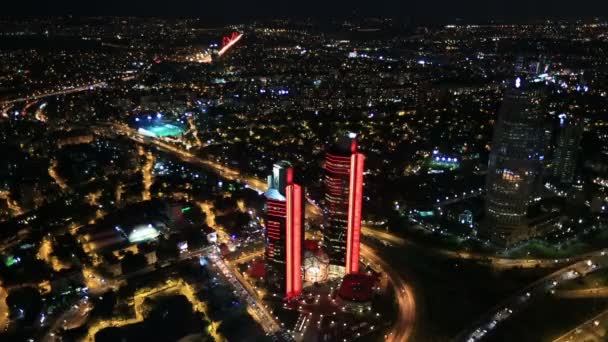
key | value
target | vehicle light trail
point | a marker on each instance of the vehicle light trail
(404, 326)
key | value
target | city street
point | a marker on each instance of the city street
(246, 293)
(73, 318)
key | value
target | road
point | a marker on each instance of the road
(54, 93)
(404, 326)
(541, 287)
(71, 319)
(245, 258)
(593, 330)
(174, 286)
(597, 292)
(455, 198)
(259, 313)
(65, 90)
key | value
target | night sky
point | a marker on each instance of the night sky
(237, 10)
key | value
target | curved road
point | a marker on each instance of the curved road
(403, 328)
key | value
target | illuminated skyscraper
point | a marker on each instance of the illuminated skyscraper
(343, 203)
(515, 164)
(284, 222)
(568, 146)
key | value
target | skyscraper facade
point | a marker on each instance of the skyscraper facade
(284, 237)
(568, 144)
(343, 204)
(515, 163)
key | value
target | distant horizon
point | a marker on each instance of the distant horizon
(421, 21)
(431, 11)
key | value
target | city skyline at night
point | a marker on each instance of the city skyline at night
(304, 172)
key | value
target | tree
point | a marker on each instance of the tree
(24, 302)
(234, 222)
(240, 327)
(133, 262)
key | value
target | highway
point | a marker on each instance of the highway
(593, 330)
(542, 287)
(65, 90)
(495, 262)
(54, 93)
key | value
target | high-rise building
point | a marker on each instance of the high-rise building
(284, 221)
(568, 145)
(515, 164)
(343, 205)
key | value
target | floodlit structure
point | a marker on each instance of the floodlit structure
(143, 233)
(316, 266)
(343, 205)
(284, 220)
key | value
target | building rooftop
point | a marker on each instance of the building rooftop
(357, 287)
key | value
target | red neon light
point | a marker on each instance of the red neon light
(289, 243)
(297, 240)
(294, 241)
(338, 170)
(290, 175)
(228, 42)
(337, 158)
(354, 213)
(275, 202)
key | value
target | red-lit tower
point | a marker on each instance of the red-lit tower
(284, 222)
(343, 203)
